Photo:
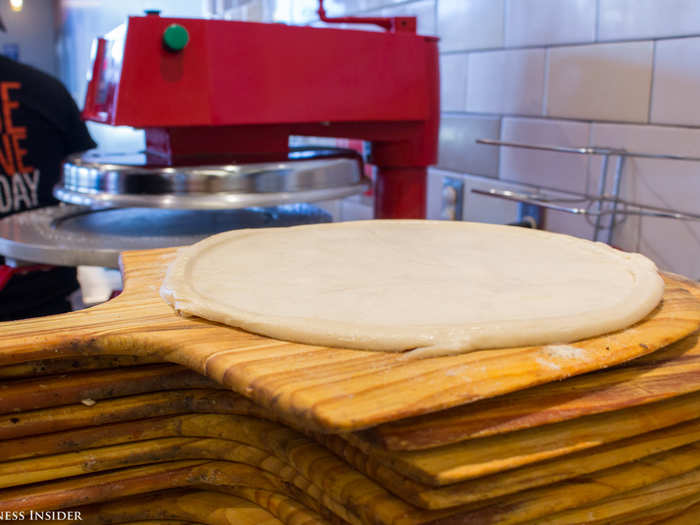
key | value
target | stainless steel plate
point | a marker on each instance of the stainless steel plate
(75, 235)
(136, 180)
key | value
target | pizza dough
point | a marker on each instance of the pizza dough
(434, 286)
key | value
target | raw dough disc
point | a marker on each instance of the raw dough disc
(439, 287)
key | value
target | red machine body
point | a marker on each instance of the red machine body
(242, 87)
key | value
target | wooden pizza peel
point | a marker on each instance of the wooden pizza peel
(326, 389)
(434, 467)
(255, 441)
(655, 480)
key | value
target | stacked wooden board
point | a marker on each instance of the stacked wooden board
(129, 413)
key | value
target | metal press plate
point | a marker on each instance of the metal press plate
(70, 235)
(137, 180)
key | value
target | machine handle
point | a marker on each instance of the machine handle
(403, 24)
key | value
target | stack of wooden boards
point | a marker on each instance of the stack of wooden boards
(128, 413)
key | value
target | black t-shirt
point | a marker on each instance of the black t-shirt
(39, 126)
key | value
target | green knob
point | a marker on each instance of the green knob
(175, 37)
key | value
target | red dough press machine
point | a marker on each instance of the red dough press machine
(218, 101)
(212, 91)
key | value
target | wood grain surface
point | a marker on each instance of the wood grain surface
(685, 511)
(480, 457)
(47, 367)
(630, 503)
(680, 511)
(669, 372)
(129, 408)
(44, 392)
(414, 473)
(209, 507)
(672, 371)
(52, 458)
(656, 480)
(365, 503)
(327, 389)
(212, 508)
(129, 509)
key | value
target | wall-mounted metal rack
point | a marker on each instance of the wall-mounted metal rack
(595, 206)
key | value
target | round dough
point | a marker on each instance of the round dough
(434, 286)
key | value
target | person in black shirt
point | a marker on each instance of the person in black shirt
(39, 126)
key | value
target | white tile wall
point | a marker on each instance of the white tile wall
(470, 24)
(569, 72)
(506, 81)
(562, 171)
(453, 85)
(546, 22)
(459, 150)
(674, 98)
(600, 81)
(672, 246)
(568, 223)
(632, 19)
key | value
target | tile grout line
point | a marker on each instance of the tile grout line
(499, 164)
(588, 165)
(437, 21)
(651, 81)
(504, 5)
(570, 44)
(545, 90)
(500, 119)
(480, 114)
(466, 82)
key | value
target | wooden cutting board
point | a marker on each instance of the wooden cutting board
(328, 389)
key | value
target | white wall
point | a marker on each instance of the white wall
(34, 29)
(619, 73)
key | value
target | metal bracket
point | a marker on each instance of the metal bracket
(452, 199)
(529, 214)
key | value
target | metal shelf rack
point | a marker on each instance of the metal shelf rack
(595, 206)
